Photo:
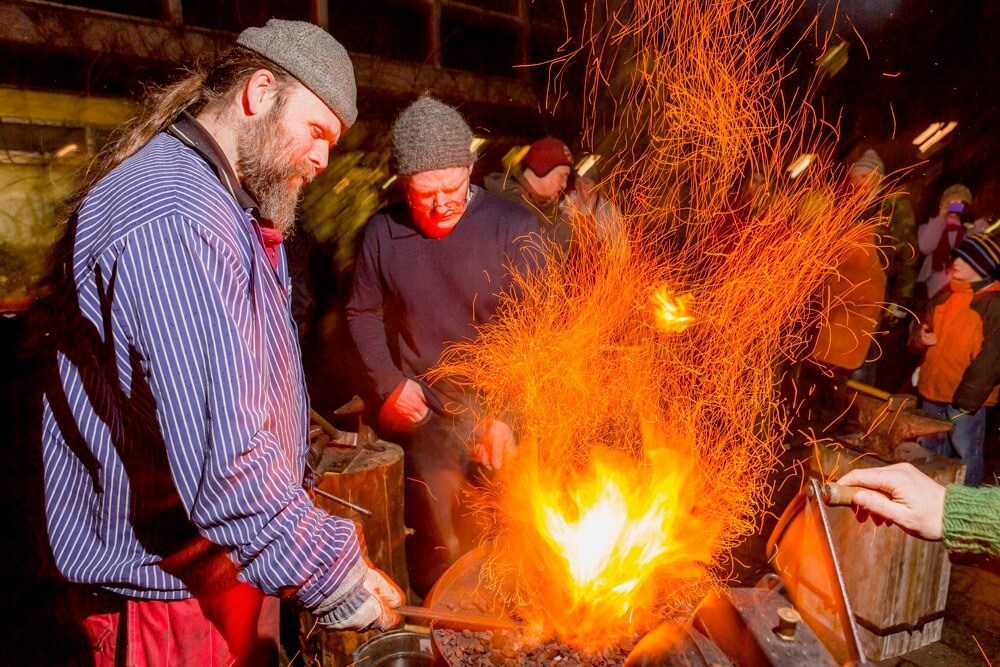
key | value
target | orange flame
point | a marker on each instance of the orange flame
(605, 539)
(671, 311)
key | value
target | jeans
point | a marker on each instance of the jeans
(964, 442)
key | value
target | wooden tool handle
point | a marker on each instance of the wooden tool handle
(836, 495)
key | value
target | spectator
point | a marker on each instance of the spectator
(896, 230)
(964, 519)
(586, 204)
(851, 301)
(960, 339)
(430, 271)
(890, 366)
(939, 236)
(538, 183)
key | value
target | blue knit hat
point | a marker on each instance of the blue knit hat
(982, 253)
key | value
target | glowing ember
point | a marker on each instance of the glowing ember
(671, 311)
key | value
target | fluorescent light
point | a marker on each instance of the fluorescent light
(392, 179)
(800, 164)
(923, 136)
(66, 150)
(938, 136)
(477, 143)
(833, 59)
(584, 165)
(514, 155)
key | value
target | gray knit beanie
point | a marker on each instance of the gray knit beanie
(429, 135)
(868, 162)
(312, 56)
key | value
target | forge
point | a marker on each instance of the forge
(758, 626)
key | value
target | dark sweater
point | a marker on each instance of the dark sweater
(414, 296)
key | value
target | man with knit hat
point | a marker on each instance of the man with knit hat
(896, 230)
(175, 422)
(538, 183)
(893, 250)
(942, 233)
(960, 340)
(431, 270)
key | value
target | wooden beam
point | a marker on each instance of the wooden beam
(50, 27)
(319, 13)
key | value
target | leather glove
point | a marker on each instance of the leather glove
(380, 598)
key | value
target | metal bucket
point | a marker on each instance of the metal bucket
(396, 648)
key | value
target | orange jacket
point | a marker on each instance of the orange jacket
(853, 301)
(963, 367)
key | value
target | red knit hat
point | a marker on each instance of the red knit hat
(546, 154)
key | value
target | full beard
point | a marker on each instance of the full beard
(268, 174)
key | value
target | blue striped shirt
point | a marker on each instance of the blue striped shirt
(178, 423)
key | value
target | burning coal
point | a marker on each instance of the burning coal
(641, 381)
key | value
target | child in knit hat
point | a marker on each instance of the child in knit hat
(960, 339)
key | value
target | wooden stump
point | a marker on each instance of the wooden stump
(370, 476)
(898, 584)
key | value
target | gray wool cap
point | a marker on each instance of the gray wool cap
(868, 162)
(429, 135)
(312, 56)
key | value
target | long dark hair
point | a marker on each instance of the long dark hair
(203, 88)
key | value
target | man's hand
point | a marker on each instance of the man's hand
(376, 613)
(404, 408)
(909, 499)
(495, 445)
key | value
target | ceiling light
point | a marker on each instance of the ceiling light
(923, 136)
(833, 59)
(584, 165)
(514, 155)
(477, 143)
(937, 136)
(392, 179)
(66, 150)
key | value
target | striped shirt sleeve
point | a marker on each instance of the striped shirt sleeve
(184, 294)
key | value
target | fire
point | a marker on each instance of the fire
(604, 545)
(671, 311)
(613, 525)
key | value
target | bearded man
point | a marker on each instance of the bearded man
(430, 271)
(175, 423)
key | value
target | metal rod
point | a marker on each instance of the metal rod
(345, 503)
(851, 634)
(461, 620)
